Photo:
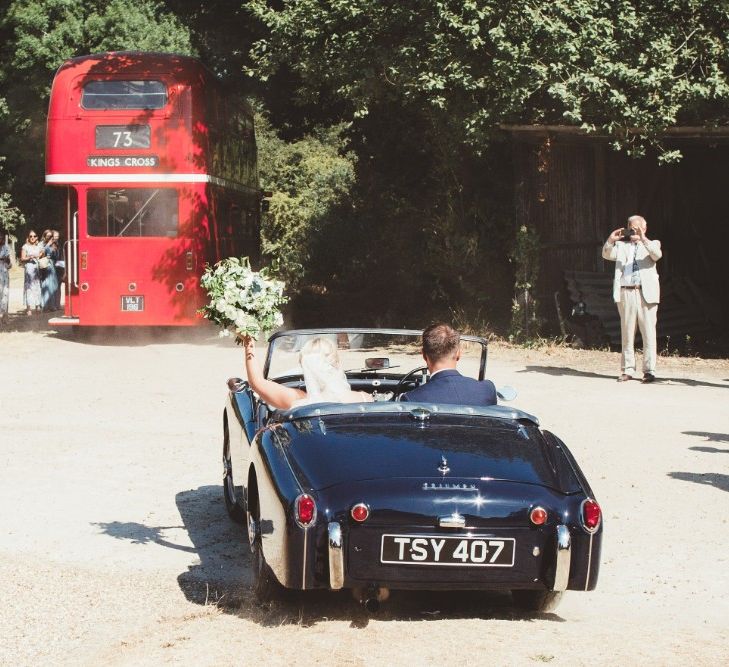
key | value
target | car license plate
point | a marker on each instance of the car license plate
(133, 304)
(472, 551)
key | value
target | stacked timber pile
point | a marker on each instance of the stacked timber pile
(682, 311)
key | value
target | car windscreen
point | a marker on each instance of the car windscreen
(373, 353)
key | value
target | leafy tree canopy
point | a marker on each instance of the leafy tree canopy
(310, 178)
(43, 33)
(36, 36)
(623, 68)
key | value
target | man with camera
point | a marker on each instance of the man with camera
(637, 292)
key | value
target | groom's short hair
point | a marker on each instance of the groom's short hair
(440, 341)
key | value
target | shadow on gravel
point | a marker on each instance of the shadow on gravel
(20, 322)
(715, 479)
(138, 533)
(139, 336)
(114, 336)
(308, 609)
(710, 437)
(564, 370)
(223, 578)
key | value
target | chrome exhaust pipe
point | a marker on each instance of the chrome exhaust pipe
(371, 597)
(372, 605)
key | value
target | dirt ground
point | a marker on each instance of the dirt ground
(115, 547)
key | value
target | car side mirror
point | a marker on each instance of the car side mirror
(506, 393)
(377, 363)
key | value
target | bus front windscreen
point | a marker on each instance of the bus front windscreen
(130, 212)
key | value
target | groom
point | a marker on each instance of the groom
(441, 351)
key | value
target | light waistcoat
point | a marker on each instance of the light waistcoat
(647, 256)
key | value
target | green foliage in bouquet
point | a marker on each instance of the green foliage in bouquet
(241, 300)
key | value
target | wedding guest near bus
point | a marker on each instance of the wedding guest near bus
(60, 266)
(30, 253)
(49, 280)
(60, 263)
(4, 275)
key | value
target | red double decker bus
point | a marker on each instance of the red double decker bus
(159, 166)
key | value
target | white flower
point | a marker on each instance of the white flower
(241, 298)
(242, 320)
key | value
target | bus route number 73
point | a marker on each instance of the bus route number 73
(122, 136)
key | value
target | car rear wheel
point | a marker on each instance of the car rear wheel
(233, 506)
(540, 601)
(265, 586)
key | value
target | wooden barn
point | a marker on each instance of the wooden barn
(573, 190)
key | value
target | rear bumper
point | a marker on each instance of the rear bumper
(544, 561)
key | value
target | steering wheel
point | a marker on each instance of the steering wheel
(408, 378)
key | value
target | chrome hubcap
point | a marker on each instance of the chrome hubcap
(252, 529)
(228, 478)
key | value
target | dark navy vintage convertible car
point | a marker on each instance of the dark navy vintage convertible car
(386, 494)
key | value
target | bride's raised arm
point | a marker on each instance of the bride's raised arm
(276, 395)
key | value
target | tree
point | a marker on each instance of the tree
(37, 36)
(310, 179)
(625, 69)
(425, 88)
(10, 216)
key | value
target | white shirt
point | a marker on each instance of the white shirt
(630, 277)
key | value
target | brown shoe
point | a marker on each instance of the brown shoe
(648, 378)
(625, 377)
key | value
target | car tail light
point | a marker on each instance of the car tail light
(305, 508)
(591, 515)
(538, 516)
(360, 512)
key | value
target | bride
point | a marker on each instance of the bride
(325, 381)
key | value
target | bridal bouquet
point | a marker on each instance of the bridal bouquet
(243, 301)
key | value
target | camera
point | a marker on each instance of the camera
(627, 233)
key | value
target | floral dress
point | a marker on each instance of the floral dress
(50, 294)
(32, 290)
(4, 280)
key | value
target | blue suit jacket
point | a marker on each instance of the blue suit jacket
(449, 386)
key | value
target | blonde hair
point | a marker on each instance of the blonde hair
(322, 346)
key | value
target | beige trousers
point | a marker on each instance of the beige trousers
(634, 310)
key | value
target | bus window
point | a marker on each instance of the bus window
(131, 212)
(124, 95)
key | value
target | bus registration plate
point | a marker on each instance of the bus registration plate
(132, 304)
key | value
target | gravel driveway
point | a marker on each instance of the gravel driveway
(116, 547)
